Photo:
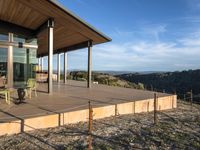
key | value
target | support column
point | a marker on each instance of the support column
(10, 62)
(89, 64)
(41, 64)
(65, 67)
(50, 57)
(39, 60)
(58, 68)
(28, 71)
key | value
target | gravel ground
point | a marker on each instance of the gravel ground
(177, 129)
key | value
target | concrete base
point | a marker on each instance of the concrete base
(58, 119)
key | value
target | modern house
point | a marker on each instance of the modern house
(31, 29)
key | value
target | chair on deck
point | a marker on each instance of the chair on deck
(3, 91)
(2, 82)
(31, 86)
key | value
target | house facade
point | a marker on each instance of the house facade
(32, 29)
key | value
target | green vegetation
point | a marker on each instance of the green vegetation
(170, 82)
(103, 78)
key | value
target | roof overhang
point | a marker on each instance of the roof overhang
(27, 18)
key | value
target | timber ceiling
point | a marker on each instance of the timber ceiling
(69, 30)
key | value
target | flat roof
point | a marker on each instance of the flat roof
(70, 31)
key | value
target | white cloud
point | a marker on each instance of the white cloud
(143, 55)
(192, 39)
(155, 30)
(122, 33)
(190, 42)
(151, 30)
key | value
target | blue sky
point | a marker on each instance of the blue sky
(148, 35)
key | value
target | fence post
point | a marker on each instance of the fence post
(184, 97)
(155, 109)
(151, 87)
(191, 98)
(90, 126)
(116, 110)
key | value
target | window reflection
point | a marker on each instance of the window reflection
(24, 61)
(3, 62)
(4, 37)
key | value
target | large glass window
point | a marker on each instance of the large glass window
(3, 62)
(3, 56)
(24, 60)
(24, 65)
(4, 37)
(19, 68)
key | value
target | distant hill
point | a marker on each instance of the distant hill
(110, 72)
(103, 78)
(180, 82)
(127, 72)
(170, 82)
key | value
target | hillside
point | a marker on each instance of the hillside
(170, 82)
(104, 78)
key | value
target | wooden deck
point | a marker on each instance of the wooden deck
(70, 97)
(69, 104)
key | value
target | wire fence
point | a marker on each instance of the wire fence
(190, 97)
(187, 97)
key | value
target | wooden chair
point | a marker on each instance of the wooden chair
(31, 86)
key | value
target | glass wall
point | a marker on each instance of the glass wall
(4, 37)
(24, 61)
(3, 62)
(3, 56)
(24, 65)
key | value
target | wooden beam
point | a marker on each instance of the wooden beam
(74, 47)
(67, 49)
(28, 34)
(6, 27)
(45, 25)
